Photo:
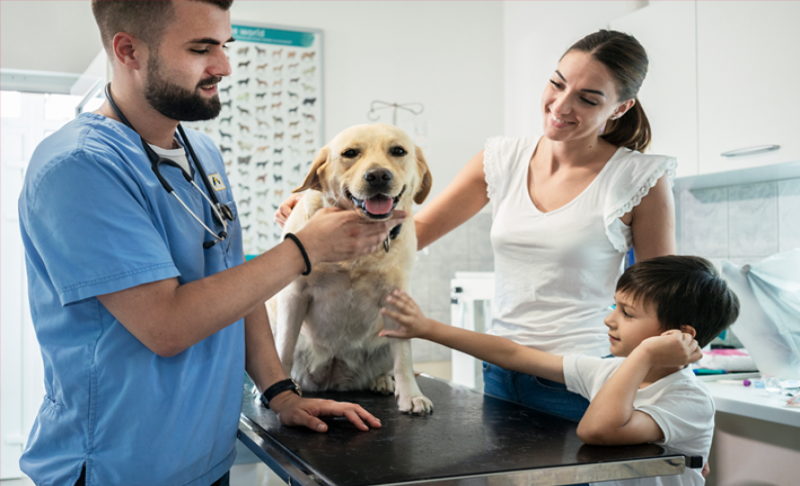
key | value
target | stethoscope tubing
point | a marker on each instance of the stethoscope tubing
(224, 232)
(154, 158)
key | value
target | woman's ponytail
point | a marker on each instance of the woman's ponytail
(632, 130)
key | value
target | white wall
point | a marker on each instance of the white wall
(535, 35)
(478, 67)
(446, 55)
(48, 36)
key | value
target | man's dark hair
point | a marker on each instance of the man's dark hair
(685, 290)
(145, 19)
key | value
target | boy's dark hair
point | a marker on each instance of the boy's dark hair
(145, 19)
(685, 290)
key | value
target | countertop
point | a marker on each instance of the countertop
(750, 401)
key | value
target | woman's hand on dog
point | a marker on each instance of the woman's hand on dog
(286, 208)
(335, 235)
(408, 315)
(304, 412)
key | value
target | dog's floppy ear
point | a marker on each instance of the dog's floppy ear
(427, 178)
(313, 180)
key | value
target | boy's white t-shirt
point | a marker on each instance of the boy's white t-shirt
(679, 403)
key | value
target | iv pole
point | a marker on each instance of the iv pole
(415, 108)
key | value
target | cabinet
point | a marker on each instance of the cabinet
(466, 290)
(748, 82)
(723, 77)
(669, 93)
(756, 438)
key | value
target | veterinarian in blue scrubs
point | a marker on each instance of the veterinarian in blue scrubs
(148, 318)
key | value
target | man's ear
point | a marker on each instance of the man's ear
(128, 50)
(427, 178)
(689, 330)
(314, 179)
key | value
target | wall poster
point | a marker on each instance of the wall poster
(271, 123)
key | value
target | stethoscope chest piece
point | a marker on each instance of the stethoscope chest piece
(226, 212)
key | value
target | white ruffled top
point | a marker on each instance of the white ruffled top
(555, 272)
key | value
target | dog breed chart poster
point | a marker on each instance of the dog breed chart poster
(271, 125)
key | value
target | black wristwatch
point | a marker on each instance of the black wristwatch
(278, 388)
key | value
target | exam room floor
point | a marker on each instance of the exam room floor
(259, 474)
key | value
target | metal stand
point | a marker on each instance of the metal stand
(415, 108)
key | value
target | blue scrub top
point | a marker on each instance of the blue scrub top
(96, 220)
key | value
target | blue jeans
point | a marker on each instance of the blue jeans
(533, 392)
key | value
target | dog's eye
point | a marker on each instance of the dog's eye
(398, 151)
(349, 153)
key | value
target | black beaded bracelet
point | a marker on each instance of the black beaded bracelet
(302, 250)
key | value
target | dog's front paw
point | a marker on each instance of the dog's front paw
(384, 384)
(419, 405)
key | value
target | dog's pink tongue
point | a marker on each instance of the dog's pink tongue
(378, 205)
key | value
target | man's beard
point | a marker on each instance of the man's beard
(176, 102)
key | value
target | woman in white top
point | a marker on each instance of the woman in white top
(567, 204)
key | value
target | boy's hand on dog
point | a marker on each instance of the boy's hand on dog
(672, 348)
(335, 235)
(293, 410)
(407, 313)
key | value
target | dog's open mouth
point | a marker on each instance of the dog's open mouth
(379, 206)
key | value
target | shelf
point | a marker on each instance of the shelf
(768, 173)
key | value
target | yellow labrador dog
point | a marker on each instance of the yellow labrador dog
(326, 324)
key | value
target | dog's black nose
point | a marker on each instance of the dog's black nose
(378, 177)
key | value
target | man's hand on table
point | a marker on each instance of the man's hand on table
(293, 410)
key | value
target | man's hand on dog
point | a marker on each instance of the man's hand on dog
(335, 235)
(295, 411)
(408, 315)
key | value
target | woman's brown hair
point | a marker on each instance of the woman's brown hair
(626, 59)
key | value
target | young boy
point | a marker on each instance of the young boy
(666, 309)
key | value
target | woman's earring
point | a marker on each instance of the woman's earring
(614, 117)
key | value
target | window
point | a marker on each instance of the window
(26, 118)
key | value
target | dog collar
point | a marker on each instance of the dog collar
(387, 243)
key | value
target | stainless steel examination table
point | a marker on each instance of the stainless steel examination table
(471, 439)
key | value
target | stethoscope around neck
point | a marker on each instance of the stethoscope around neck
(221, 212)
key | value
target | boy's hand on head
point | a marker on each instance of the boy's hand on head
(408, 315)
(672, 348)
